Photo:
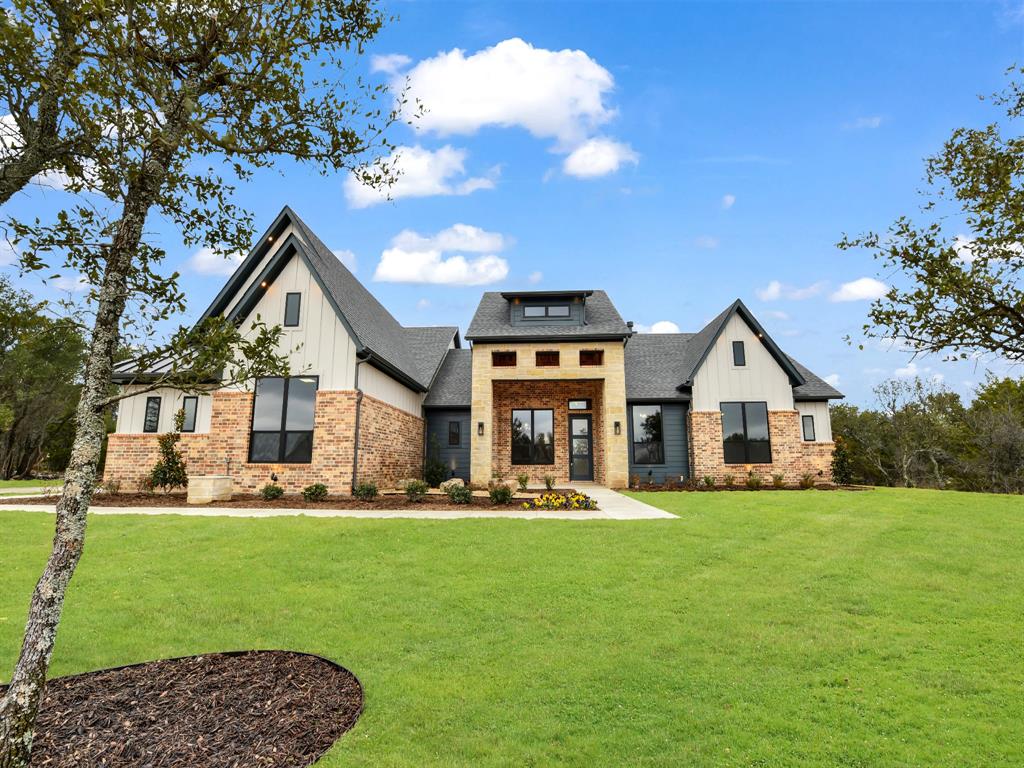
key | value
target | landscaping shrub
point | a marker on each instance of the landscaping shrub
(500, 493)
(709, 481)
(779, 480)
(415, 490)
(434, 470)
(270, 491)
(459, 494)
(753, 482)
(807, 481)
(455, 482)
(315, 492)
(842, 462)
(524, 480)
(170, 472)
(549, 482)
(561, 501)
(113, 487)
(728, 480)
(365, 491)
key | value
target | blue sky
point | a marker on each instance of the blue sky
(678, 155)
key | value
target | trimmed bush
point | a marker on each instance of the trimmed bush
(807, 481)
(269, 492)
(459, 494)
(415, 490)
(709, 481)
(549, 482)
(523, 480)
(365, 491)
(455, 482)
(500, 493)
(779, 481)
(728, 480)
(315, 492)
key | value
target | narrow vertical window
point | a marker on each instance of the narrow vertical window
(292, 302)
(454, 434)
(808, 422)
(190, 405)
(152, 421)
(739, 354)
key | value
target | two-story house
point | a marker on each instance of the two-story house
(553, 383)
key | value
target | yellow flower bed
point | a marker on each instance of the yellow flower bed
(561, 501)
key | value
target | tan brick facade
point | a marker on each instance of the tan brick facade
(391, 439)
(792, 456)
(554, 395)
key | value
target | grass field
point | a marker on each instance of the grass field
(878, 628)
(15, 484)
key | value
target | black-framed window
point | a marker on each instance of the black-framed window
(292, 304)
(745, 438)
(648, 435)
(808, 425)
(533, 436)
(190, 407)
(454, 434)
(582, 404)
(282, 420)
(503, 359)
(739, 354)
(547, 358)
(591, 357)
(536, 311)
(151, 422)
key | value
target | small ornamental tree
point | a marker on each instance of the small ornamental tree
(170, 471)
(842, 465)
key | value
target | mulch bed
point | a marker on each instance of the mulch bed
(271, 709)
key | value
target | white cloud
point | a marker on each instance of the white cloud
(423, 304)
(861, 289)
(8, 254)
(832, 379)
(963, 246)
(421, 173)
(536, 277)
(347, 258)
(776, 290)
(207, 261)
(551, 94)
(390, 63)
(728, 201)
(415, 258)
(866, 121)
(662, 326)
(707, 242)
(598, 157)
(776, 314)
(907, 371)
(75, 284)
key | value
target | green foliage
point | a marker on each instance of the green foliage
(365, 491)
(271, 491)
(416, 490)
(170, 471)
(709, 481)
(753, 482)
(500, 493)
(842, 462)
(435, 471)
(523, 480)
(549, 482)
(728, 480)
(315, 492)
(459, 494)
(778, 480)
(807, 481)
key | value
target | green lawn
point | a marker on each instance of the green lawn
(5, 484)
(816, 628)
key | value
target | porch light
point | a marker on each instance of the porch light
(618, 428)
(480, 428)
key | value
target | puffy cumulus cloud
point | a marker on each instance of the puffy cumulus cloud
(416, 258)
(861, 289)
(347, 258)
(420, 173)
(661, 326)
(598, 157)
(728, 201)
(207, 261)
(390, 63)
(776, 290)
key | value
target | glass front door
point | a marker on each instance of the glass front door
(581, 448)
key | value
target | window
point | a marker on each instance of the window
(808, 423)
(533, 437)
(151, 422)
(535, 311)
(745, 433)
(454, 434)
(591, 357)
(292, 302)
(739, 354)
(503, 359)
(648, 438)
(560, 310)
(189, 405)
(547, 358)
(579, 405)
(282, 420)
(531, 311)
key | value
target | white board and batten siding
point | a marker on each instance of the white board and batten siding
(378, 384)
(760, 380)
(822, 420)
(131, 412)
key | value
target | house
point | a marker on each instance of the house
(553, 383)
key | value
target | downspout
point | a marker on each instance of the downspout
(359, 403)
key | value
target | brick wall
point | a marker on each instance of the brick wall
(391, 438)
(792, 456)
(555, 395)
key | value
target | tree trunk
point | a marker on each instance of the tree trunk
(20, 705)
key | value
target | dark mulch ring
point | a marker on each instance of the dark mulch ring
(272, 709)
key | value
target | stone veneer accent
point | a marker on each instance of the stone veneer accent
(509, 395)
(391, 439)
(792, 456)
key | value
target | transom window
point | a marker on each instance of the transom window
(591, 357)
(189, 407)
(533, 437)
(292, 303)
(533, 311)
(454, 434)
(739, 354)
(151, 422)
(808, 425)
(503, 359)
(547, 358)
(282, 420)
(648, 435)
(745, 433)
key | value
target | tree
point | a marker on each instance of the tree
(179, 91)
(963, 295)
(170, 471)
(993, 456)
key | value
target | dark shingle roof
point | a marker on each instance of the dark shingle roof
(657, 364)
(492, 321)
(453, 387)
(814, 388)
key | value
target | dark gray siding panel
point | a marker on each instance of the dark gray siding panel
(456, 459)
(677, 458)
(519, 321)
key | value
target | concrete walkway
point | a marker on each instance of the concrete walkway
(613, 506)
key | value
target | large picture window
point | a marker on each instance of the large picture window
(282, 420)
(648, 435)
(533, 437)
(745, 433)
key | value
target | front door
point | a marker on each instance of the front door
(581, 449)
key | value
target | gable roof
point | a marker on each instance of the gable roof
(493, 319)
(453, 387)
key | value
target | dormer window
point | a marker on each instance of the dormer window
(292, 303)
(537, 311)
